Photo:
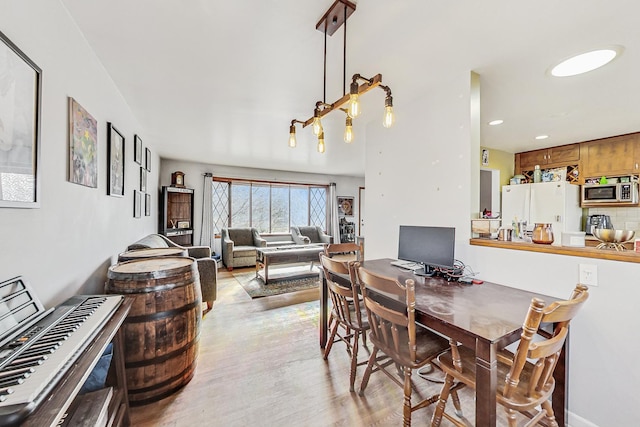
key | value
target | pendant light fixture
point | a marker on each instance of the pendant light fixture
(333, 19)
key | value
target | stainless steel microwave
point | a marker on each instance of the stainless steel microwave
(621, 193)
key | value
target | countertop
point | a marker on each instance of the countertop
(586, 252)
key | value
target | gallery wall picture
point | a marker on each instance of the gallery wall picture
(345, 206)
(83, 146)
(137, 149)
(147, 159)
(20, 93)
(115, 168)
(147, 205)
(137, 203)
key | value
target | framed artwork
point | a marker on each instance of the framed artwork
(137, 203)
(485, 157)
(137, 149)
(147, 205)
(83, 146)
(20, 94)
(345, 206)
(147, 159)
(115, 154)
(143, 179)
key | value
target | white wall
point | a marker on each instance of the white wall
(66, 246)
(418, 173)
(345, 186)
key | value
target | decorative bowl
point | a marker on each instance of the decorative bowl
(607, 235)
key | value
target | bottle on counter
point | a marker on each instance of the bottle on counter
(537, 174)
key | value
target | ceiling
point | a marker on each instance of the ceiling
(218, 81)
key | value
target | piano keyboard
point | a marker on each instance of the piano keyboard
(33, 362)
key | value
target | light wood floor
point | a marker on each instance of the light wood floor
(260, 365)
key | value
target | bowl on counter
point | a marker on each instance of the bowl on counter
(607, 235)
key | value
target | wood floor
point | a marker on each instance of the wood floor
(260, 365)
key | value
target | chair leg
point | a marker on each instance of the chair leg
(456, 403)
(550, 416)
(406, 409)
(354, 360)
(511, 417)
(444, 395)
(332, 337)
(367, 372)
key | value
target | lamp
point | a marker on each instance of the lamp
(337, 15)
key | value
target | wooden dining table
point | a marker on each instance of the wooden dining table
(485, 317)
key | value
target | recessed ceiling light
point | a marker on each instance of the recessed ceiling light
(586, 62)
(542, 136)
(496, 122)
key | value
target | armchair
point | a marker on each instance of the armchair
(239, 246)
(305, 235)
(207, 267)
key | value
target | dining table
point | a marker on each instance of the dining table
(485, 317)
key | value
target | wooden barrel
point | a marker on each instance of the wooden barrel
(162, 330)
(151, 253)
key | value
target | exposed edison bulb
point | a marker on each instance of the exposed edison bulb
(354, 105)
(321, 146)
(348, 131)
(292, 137)
(389, 117)
(317, 124)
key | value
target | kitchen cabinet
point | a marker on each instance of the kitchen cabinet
(563, 155)
(176, 214)
(615, 156)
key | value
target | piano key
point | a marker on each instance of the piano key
(5, 374)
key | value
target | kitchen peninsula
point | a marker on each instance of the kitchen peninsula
(587, 252)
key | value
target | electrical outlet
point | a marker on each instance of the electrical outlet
(589, 274)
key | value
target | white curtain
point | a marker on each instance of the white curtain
(206, 228)
(334, 221)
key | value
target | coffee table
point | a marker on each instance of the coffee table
(266, 257)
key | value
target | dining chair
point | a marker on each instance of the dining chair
(344, 250)
(525, 378)
(347, 312)
(394, 332)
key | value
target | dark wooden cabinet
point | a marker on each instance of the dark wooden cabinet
(563, 155)
(618, 155)
(176, 214)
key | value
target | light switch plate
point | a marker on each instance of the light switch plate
(588, 274)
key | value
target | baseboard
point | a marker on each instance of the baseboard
(574, 420)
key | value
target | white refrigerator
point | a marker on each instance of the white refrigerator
(556, 203)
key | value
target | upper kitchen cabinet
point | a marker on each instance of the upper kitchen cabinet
(554, 157)
(618, 155)
(563, 155)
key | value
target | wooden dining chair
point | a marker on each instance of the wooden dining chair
(395, 333)
(348, 319)
(525, 378)
(344, 249)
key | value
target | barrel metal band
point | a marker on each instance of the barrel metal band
(162, 314)
(163, 358)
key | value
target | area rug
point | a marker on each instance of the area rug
(256, 288)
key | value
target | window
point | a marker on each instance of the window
(269, 207)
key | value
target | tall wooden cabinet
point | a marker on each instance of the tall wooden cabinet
(176, 214)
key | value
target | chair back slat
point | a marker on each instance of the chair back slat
(392, 326)
(345, 299)
(544, 352)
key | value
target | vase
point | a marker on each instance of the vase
(542, 234)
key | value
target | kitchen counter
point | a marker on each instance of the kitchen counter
(587, 252)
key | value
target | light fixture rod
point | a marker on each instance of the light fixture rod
(363, 88)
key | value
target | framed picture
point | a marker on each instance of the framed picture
(485, 157)
(83, 146)
(143, 179)
(137, 149)
(147, 159)
(115, 154)
(147, 205)
(20, 94)
(183, 224)
(345, 206)
(137, 203)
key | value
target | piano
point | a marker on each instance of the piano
(47, 354)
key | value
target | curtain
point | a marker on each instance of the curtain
(206, 228)
(334, 221)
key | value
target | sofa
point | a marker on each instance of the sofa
(239, 246)
(207, 266)
(305, 235)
